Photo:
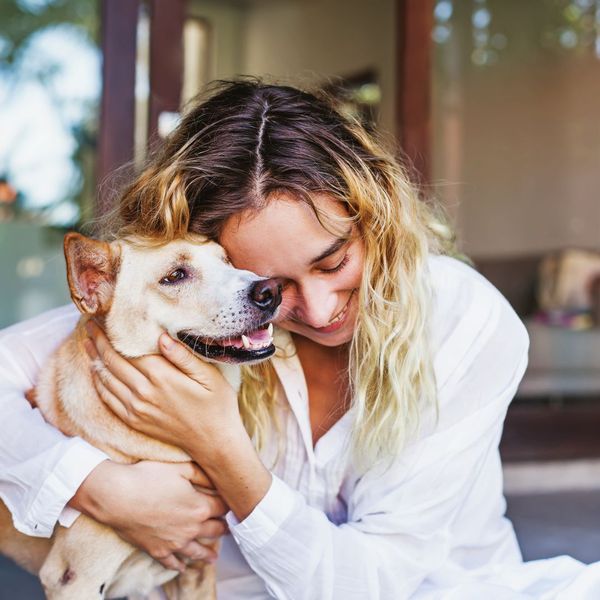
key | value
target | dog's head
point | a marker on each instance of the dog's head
(188, 289)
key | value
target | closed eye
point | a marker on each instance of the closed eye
(338, 267)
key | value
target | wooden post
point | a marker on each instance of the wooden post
(413, 87)
(166, 60)
(119, 20)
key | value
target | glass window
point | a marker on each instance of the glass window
(49, 96)
(517, 122)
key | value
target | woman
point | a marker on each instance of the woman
(376, 472)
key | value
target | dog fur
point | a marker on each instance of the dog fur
(126, 286)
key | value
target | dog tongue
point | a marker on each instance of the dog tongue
(258, 336)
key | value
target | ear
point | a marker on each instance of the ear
(92, 268)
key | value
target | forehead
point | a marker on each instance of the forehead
(283, 235)
(175, 253)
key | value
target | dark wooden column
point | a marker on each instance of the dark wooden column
(116, 137)
(166, 60)
(413, 87)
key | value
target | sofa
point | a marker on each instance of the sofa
(562, 362)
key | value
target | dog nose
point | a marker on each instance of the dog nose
(266, 294)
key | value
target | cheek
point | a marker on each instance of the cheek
(288, 301)
(351, 276)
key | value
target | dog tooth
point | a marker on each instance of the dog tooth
(270, 329)
(246, 342)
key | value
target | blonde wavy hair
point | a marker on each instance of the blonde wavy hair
(235, 149)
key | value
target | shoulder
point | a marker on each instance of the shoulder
(461, 298)
(466, 308)
(476, 337)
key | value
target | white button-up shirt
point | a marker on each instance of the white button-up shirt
(430, 526)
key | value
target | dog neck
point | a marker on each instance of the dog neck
(232, 373)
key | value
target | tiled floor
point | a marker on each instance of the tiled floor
(546, 524)
(15, 584)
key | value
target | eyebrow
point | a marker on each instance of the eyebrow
(332, 249)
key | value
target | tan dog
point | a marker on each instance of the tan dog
(136, 292)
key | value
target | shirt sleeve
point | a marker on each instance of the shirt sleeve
(40, 468)
(402, 520)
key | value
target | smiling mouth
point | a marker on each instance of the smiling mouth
(342, 312)
(253, 345)
(336, 322)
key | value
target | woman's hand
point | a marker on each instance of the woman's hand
(155, 507)
(176, 397)
(184, 401)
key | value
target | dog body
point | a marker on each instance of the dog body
(136, 292)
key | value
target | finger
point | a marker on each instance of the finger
(185, 361)
(213, 528)
(155, 367)
(118, 390)
(113, 403)
(196, 551)
(172, 562)
(194, 473)
(216, 506)
(118, 366)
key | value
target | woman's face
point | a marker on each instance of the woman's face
(320, 271)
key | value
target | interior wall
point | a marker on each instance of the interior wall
(517, 143)
(311, 40)
(304, 41)
(227, 23)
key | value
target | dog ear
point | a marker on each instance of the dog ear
(91, 272)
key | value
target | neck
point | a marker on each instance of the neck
(319, 359)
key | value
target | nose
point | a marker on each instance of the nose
(313, 304)
(266, 294)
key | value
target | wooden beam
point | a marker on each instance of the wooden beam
(119, 20)
(166, 60)
(413, 83)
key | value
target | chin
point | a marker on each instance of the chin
(331, 340)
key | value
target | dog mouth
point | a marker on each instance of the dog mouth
(253, 345)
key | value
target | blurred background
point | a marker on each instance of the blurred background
(493, 102)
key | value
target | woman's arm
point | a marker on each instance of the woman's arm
(408, 523)
(185, 402)
(40, 468)
(156, 507)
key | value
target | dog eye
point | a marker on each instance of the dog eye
(174, 277)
